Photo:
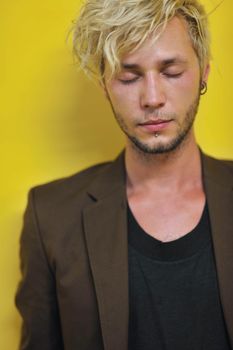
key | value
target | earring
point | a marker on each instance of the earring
(203, 88)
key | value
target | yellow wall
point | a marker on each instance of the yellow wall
(55, 122)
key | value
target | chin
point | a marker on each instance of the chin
(158, 146)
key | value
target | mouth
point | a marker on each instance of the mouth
(155, 125)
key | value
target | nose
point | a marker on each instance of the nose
(153, 94)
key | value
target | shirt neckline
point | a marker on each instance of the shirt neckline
(181, 248)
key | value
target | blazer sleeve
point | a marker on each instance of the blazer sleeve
(36, 294)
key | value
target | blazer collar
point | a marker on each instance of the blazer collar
(112, 178)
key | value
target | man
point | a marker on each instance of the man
(137, 253)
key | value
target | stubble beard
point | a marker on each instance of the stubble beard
(160, 147)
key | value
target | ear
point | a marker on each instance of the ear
(206, 72)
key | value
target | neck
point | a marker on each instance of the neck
(171, 170)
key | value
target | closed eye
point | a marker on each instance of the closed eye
(128, 81)
(172, 75)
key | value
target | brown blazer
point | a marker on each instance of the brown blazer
(74, 289)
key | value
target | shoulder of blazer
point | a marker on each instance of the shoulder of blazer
(217, 170)
(73, 193)
(73, 183)
(64, 194)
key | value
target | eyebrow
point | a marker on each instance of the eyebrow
(130, 66)
(175, 60)
(163, 63)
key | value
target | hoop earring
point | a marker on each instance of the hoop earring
(203, 88)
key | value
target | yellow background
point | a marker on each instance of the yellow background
(55, 122)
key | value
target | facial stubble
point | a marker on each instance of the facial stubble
(160, 147)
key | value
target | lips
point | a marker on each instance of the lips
(155, 125)
(157, 121)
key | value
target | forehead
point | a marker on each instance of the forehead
(174, 42)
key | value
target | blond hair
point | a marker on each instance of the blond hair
(106, 29)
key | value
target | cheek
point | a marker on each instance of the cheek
(191, 83)
(123, 100)
(186, 89)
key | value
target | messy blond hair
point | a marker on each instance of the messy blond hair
(106, 29)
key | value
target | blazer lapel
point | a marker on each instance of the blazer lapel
(218, 182)
(105, 225)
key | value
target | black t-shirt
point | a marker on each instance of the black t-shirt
(173, 291)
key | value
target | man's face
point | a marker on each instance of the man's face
(155, 95)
